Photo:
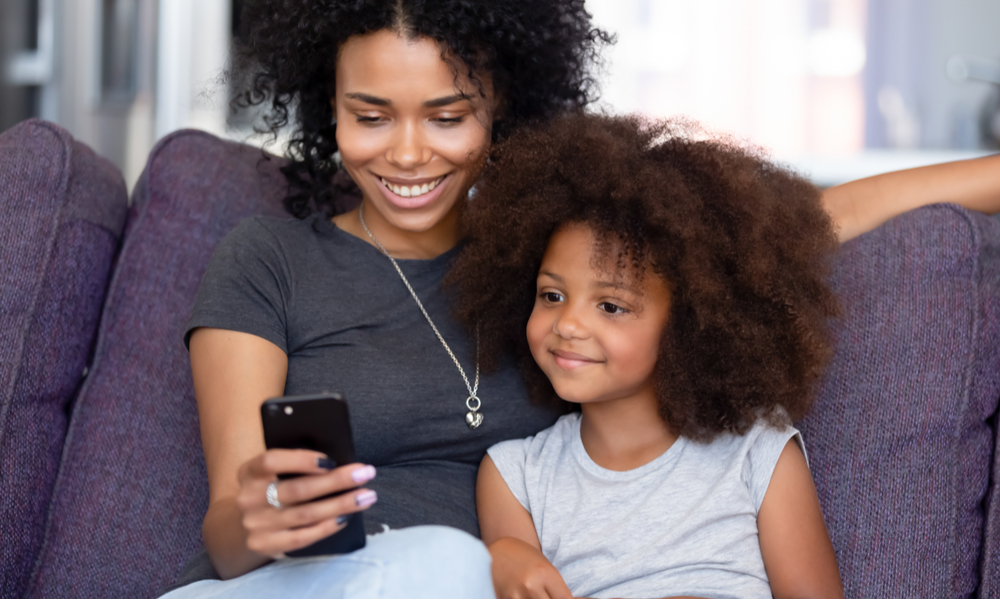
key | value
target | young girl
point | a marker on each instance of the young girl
(673, 288)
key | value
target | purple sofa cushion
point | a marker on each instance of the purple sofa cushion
(131, 493)
(900, 439)
(63, 211)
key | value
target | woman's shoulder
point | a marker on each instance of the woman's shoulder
(264, 229)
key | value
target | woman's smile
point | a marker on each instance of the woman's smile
(413, 193)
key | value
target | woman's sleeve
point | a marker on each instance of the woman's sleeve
(246, 286)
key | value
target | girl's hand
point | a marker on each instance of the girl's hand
(522, 571)
(303, 518)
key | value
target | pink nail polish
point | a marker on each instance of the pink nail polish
(366, 473)
(366, 498)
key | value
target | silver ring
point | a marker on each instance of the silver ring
(272, 494)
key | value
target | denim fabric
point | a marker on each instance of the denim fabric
(899, 439)
(417, 562)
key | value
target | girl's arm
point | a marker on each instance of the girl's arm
(233, 374)
(520, 570)
(859, 206)
(796, 548)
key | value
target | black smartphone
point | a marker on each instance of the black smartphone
(316, 422)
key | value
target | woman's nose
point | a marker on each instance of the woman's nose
(408, 148)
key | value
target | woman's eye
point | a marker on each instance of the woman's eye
(611, 309)
(449, 120)
(364, 119)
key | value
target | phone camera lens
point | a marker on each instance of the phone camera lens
(272, 409)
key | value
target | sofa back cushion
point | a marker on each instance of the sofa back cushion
(62, 212)
(900, 439)
(132, 491)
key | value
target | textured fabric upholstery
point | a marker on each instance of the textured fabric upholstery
(900, 439)
(63, 211)
(131, 491)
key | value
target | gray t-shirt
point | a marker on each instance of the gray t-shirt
(340, 311)
(682, 524)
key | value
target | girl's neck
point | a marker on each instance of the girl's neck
(621, 435)
(400, 243)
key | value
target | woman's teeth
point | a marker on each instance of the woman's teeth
(414, 190)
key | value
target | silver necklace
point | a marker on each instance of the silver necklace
(473, 418)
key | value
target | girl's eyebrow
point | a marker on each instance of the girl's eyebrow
(614, 285)
(596, 285)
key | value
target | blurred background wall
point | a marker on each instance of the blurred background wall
(840, 88)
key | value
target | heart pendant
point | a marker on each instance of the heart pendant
(474, 419)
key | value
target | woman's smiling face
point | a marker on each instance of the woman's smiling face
(411, 134)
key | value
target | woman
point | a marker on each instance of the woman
(411, 94)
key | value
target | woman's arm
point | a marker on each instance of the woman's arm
(233, 374)
(520, 570)
(796, 548)
(859, 206)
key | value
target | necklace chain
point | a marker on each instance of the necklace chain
(473, 403)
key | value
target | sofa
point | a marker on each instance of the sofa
(102, 478)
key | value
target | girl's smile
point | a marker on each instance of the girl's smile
(595, 333)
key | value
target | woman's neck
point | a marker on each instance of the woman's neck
(621, 435)
(401, 243)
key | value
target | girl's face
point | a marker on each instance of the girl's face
(595, 333)
(412, 136)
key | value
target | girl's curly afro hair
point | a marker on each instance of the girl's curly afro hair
(743, 245)
(538, 54)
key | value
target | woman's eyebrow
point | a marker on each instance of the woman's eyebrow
(369, 99)
(435, 103)
(446, 100)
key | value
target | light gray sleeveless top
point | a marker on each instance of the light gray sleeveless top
(683, 524)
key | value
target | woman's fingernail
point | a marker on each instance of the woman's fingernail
(366, 498)
(366, 473)
(326, 463)
(341, 519)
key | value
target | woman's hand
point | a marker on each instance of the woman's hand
(304, 518)
(522, 571)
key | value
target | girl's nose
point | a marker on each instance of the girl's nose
(408, 149)
(568, 325)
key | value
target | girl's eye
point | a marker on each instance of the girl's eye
(611, 309)
(551, 297)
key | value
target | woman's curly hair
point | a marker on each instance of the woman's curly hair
(538, 53)
(743, 245)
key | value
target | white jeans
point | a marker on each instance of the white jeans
(429, 561)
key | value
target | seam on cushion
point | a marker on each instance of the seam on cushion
(67, 153)
(974, 239)
(127, 243)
